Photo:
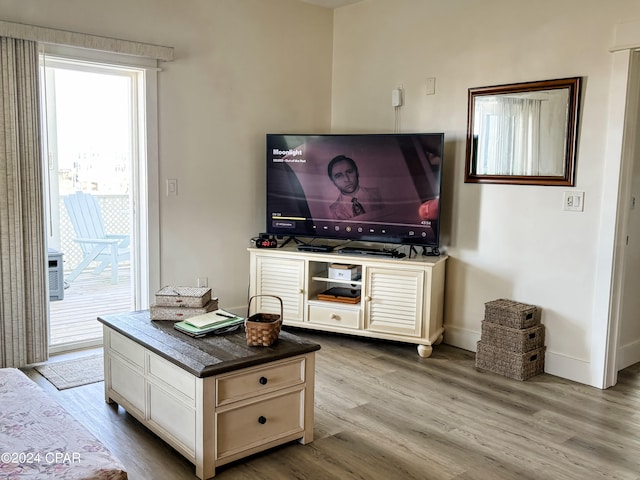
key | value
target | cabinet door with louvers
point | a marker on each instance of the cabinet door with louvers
(393, 301)
(283, 278)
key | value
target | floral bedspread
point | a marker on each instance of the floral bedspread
(40, 440)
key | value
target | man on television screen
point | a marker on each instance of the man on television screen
(354, 199)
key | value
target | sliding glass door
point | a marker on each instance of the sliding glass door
(94, 156)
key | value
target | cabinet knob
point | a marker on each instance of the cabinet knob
(367, 298)
(302, 290)
(263, 380)
(262, 420)
(333, 316)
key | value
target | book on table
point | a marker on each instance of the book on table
(217, 321)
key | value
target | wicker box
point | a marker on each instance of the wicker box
(513, 339)
(163, 312)
(511, 314)
(171, 296)
(519, 366)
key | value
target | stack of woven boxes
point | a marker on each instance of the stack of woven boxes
(512, 341)
(180, 303)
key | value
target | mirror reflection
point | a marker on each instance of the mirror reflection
(523, 133)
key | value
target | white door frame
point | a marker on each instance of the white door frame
(622, 121)
(146, 243)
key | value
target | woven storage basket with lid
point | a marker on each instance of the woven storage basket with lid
(263, 329)
(172, 296)
(511, 313)
(519, 366)
(517, 340)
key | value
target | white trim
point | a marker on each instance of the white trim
(68, 54)
(628, 73)
(461, 337)
(626, 36)
(628, 354)
(149, 190)
(604, 334)
(83, 40)
(146, 264)
(563, 366)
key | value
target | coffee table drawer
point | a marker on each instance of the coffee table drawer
(257, 423)
(258, 381)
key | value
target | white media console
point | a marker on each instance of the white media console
(401, 299)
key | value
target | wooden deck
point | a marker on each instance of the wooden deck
(73, 321)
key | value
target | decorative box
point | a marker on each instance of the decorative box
(519, 366)
(513, 339)
(164, 312)
(183, 296)
(338, 271)
(511, 313)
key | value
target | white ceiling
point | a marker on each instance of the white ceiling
(331, 3)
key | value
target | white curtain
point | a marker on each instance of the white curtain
(23, 304)
(509, 136)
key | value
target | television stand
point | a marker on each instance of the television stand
(370, 251)
(401, 299)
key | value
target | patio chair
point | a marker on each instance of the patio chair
(97, 246)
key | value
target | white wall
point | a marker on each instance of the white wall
(242, 68)
(505, 241)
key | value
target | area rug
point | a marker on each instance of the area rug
(73, 373)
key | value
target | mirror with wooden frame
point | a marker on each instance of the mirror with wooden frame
(524, 133)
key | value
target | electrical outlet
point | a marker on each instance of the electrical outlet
(573, 201)
(203, 282)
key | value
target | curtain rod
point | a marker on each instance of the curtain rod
(62, 37)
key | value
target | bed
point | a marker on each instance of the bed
(40, 440)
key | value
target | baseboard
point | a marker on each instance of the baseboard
(628, 354)
(461, 337)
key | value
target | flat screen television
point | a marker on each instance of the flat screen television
(360, 187)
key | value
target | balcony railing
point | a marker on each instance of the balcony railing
(73, 320)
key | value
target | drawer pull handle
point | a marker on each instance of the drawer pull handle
(263, 381)
(262, 420)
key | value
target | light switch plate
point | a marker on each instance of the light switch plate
(172, 187)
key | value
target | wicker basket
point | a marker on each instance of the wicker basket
(262, 329)
(171, 296)
(161, 312)
(511, 314)
(519, 366)
(513, 339)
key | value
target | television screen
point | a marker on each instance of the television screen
(374, 187)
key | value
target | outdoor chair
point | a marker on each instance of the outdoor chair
(97, 246)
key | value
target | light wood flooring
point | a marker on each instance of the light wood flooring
(382, 412)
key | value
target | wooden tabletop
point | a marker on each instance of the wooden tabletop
(204, 356)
